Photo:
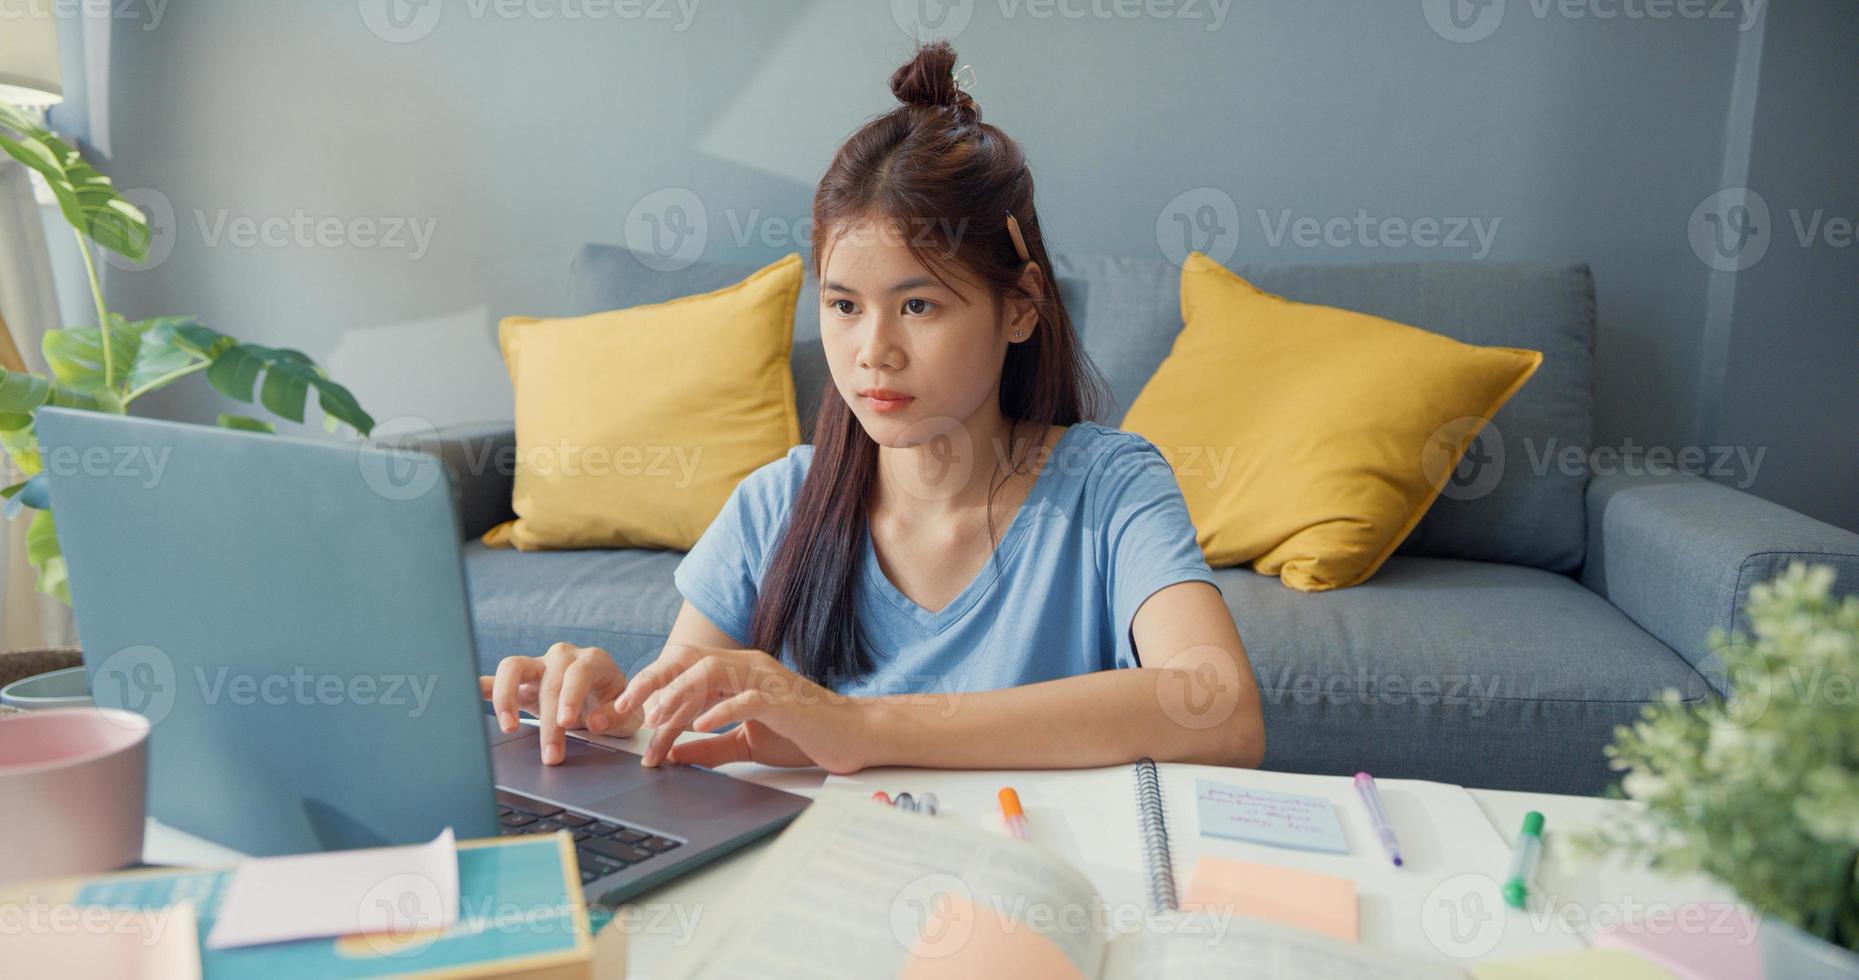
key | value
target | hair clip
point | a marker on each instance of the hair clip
(959, 82)
(1019, 243)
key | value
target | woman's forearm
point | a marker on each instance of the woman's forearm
(1099, 719)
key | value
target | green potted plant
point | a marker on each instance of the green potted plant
(1760, 790)
(107, 366)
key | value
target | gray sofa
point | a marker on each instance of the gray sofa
(1532, 611)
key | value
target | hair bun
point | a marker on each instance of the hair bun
(928, 79)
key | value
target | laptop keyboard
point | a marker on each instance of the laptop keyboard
(602, 847)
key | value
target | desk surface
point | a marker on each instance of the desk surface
(1581, 894)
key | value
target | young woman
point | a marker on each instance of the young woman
(962, 570)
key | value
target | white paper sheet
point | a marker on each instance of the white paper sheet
(396, 890)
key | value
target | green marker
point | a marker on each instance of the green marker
(1528, 850)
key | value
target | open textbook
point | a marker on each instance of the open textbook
(857, 889)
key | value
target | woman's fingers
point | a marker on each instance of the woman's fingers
(555, 665)
(606, 721)
(682, 697)
(525, 692)
(511, 672)
(670, 663)
(592, 672)
(738, 707)
(682, 700)
(660, 743)
(713, 751)
(605, 682)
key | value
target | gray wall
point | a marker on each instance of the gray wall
(1790, 360)
(516, 138)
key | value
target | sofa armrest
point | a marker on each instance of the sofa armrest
(1678, 554)
(482, 459)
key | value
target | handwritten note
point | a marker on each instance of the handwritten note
(1307, 823)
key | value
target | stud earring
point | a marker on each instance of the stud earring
(1017, 334)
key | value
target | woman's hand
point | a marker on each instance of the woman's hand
(786, 719)
(561, 688)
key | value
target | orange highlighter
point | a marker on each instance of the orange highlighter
(1011, 812)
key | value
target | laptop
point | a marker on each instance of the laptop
(291, 616)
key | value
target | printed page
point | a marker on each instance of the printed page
(1247, 949)
(854, 888)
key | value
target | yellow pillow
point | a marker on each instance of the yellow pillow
(1310, 440)
(633, 426)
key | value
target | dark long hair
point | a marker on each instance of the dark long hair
(933, 168)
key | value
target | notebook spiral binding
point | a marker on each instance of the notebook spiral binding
(1161, 866)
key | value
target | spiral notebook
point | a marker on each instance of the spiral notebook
(1158, 863)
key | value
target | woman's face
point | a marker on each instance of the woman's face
(911, 356)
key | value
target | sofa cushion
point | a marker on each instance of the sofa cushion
(1481, 674)
(1322, 425)
(1510, 501)
(635, 425)
(611, 277)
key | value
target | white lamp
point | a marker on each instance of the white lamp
(29, 58)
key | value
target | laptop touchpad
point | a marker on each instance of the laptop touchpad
(587, 773)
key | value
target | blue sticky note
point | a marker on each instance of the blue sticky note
(1305, 823)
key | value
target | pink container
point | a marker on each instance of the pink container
(73, 792)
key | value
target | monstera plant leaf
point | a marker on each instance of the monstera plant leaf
(85, 196)
(245, 423)
(21, 394)
(75, 354)
(159, 357)
(288, 376)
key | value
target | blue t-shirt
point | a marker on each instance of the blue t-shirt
(1103, 529)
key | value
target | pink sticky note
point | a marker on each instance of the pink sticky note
(961, 939)
(1320, 903)
(150, 944)
(1699, 941)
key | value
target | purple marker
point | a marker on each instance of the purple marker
(1365, 787)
